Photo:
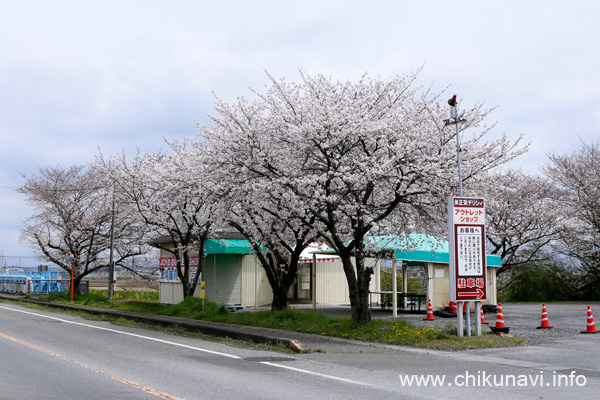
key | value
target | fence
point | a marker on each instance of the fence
(44, 282)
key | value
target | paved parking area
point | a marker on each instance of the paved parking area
(567, 320)
(559, 352)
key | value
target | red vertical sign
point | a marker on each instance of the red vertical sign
(466, 232)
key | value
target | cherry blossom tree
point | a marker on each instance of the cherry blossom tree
(72, 213)
(278, 233)
(523, 217)
(172, 199)
(277, 241)
(577, 175)
(365, 157)
(276, 223)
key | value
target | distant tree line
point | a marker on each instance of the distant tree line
(562, 262)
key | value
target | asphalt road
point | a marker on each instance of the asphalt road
(49, 355)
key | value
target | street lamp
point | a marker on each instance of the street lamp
(455, 120)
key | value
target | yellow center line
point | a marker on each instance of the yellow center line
(125, 381)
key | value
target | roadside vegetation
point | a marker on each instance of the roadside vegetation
(415, 284)
(546, 282)
(398, 332)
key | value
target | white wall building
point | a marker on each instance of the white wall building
(233, 275)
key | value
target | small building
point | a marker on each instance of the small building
(418, 250)
(233, 275)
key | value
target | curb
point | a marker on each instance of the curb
(212, 328)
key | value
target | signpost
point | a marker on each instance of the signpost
(468, 269)
(70, 258)
(466, 237)
(202, 293)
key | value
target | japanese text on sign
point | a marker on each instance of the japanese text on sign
(172, 261)
(469, 254)
(466, 233)
(168, 270)
(469, 283)
(460, 202)
(468, 216)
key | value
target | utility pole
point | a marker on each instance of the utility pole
(111, 262)
(70, 259)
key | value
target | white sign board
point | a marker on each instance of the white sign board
(466, 233)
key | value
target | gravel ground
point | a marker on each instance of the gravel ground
(567, 320)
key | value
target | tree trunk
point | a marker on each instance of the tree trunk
(188, 290)
(76, 282)
(280, 297)
(362, 313)
(187, 287)
(359, 280)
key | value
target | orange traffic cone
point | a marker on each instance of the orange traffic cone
(500, 328)
(591, 325)
(482, 317)
(545, 323)
(429, 313)
(500, 317)
(453, 307)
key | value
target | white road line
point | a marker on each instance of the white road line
(126, 333)
(304, 371)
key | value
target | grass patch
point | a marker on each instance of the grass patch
(397, 332)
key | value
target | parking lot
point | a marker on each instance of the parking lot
(563, 350)
(567, 320)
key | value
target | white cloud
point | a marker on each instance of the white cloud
(75, 75)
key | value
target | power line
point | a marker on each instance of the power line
(3, 256)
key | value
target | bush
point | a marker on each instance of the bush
(541, 283)
(414, 283)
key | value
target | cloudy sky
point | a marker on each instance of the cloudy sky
(76, 75)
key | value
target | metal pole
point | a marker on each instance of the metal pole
(313, 282)
(394, 288)
(455, 114)
(456, 120)
(404, 284)
(460, 193)
(72, 279)
(111, 262)
(477, 317)
(468, 317)
(459, 318)
(70, 258)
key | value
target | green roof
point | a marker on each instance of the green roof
(419, 247)
(227, 246)
(413, 247)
